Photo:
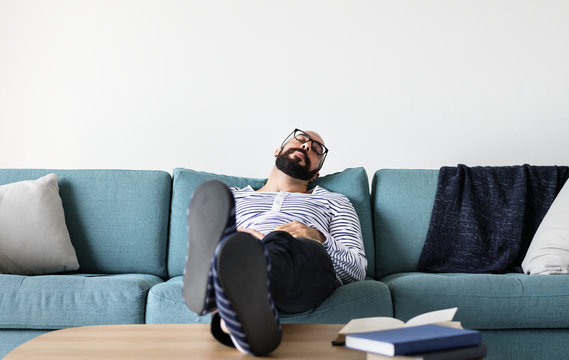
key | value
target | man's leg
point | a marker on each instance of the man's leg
(235, 265)
(302, 274)
(241, 273)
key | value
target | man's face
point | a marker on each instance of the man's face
(298, 159)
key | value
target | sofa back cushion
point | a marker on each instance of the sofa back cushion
(402, 202)
(117, 219)
(351, 182)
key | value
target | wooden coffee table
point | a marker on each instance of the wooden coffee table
(174, 341)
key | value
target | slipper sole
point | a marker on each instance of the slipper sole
(242, 272)
(210, 209)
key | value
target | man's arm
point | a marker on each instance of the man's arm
(300, 230)
(344, 242)
(259, 235)
(294, 228)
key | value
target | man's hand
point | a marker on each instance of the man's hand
(259, 235)
(297, 229)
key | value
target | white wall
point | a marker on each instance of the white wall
(216, 85)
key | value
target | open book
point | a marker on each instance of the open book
(439, 317)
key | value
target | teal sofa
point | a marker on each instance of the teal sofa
(129, 231)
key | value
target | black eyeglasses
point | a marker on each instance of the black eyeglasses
(303, 137)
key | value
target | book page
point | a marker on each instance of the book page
(371, 324)
(365, 325)
(439, 316)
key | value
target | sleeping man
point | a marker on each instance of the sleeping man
(284, 247)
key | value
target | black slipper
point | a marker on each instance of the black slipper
(211, 216)
(241, 277)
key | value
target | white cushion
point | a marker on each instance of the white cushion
(33, 235)
(549, 249)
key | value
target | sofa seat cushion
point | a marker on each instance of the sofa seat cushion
(59, 301)
(355, 300)
(359, 299)
(166, 305)
(11, 339)
(484, 301)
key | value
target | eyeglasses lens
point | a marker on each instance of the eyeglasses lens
(303, 137)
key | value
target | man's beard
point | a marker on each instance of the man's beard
(292, 167)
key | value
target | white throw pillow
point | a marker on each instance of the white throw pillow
(33, 235)
(549, 249)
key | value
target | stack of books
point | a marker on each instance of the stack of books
(431, 336)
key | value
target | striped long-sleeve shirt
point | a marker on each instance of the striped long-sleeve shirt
(330, 213)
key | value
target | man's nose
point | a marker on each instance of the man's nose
(306, 146)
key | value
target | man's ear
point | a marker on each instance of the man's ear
(277, 152)
(314, 177)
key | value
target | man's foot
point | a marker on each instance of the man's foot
(242, 294)
(211, 216)
(219, 330)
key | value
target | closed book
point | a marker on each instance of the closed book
(463, 353)
(413, 339)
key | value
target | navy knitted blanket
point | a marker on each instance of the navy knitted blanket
(484, 218)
